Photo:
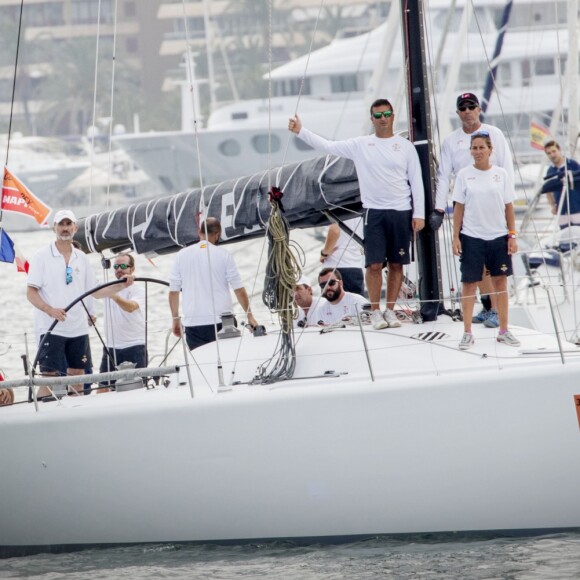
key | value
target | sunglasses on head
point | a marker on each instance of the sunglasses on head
(330, 283)
(68, 275)
(465, 107)
(122, 266)
(479, 134)
(380, 114)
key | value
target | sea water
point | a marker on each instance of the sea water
(422, 556)
(416, 557)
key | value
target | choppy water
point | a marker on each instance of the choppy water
(538, 558)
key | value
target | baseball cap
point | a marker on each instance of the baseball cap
(64, 214)
(304, 281)
(467, 98)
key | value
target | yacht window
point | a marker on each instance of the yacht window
(344, 83)
(470, 74)
(504, 74)
(264, 143)
(230, 148)
(238, 116)
(479, 21)
(301, 146)
(290, 87)
(545, 66)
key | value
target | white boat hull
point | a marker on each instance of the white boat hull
(492, 445)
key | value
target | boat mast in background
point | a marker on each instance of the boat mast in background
(494, 63)
(420, 135)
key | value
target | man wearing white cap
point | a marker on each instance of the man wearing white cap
(303, 297)
(58, 275)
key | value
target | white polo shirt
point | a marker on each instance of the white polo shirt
(456, 155)
(388, 169)
(124, 329)
(191, 274)
(484, 195)
(47, 272)
(328, 313)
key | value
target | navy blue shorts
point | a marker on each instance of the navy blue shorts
(197, 336)
(135, 354)
(477, 254)
(56, 353)
(353, 280)
(387, 236)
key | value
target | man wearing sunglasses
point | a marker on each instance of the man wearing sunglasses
(455, 155)
(124, 320)
(338, 304)
(391, 190)
(58, 275)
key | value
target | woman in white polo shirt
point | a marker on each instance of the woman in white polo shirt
(484, 233)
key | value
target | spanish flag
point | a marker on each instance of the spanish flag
(17, 197)
(538, 135)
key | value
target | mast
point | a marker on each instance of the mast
(421, 136)
(491, 74)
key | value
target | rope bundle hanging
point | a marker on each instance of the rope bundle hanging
(282, 272)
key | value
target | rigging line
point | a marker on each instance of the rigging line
(112, 106)
(14, 82)
(301, 87)
(190, 68)
(94, 124)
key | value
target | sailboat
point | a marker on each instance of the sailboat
(373, 432)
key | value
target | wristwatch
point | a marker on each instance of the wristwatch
(323, 254)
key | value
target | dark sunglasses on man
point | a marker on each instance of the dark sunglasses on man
(122, 266)
(464, 108)
(331, 283)
(379, 114)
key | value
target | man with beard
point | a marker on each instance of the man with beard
(339, 305)
(58, 275)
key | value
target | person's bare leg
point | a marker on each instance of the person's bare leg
(76, 389)
(394, 281)
(374, 281)
(467, 303)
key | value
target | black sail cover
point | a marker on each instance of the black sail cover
(167, 224)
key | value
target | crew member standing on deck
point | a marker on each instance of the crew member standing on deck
(455, 155)
(58, 275)
(484, 233)
(124, 321)
(391, 189)
(204, 301)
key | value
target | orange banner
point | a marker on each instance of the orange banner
(538, 135)
(17, 197)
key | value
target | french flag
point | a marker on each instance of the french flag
(10, 253)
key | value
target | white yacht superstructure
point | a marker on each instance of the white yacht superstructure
(334, 83)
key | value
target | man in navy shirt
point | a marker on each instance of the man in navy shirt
(556, 187)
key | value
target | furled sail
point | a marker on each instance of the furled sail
(164, 225)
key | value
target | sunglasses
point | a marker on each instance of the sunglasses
(470, 107)
(68, 275)
(122, 266)
(479, 134)
(330, 283)
(380, 114)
